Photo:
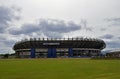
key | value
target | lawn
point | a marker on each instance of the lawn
(67, 68)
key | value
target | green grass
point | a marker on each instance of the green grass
(59, 69)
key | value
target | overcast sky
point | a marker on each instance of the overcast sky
(20, 19)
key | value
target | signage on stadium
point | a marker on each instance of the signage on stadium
(51, 43)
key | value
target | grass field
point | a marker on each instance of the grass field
(59, 69)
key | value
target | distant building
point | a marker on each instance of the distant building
(55, 47)
(114, 53)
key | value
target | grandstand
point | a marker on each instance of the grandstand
(58, 47)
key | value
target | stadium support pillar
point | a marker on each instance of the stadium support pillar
(54, 52)
(70, 52)
(51, 53)
(32, 53)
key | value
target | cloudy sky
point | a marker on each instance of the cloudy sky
(20, 19)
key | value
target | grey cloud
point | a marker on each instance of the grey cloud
(4, 39)
(50, 28)
(58, 26)
(6, 44)
(114, 21)
(103, 29)
(107, 36)
(113, 44)
(118, 37)
(85, 25)
(6, 16)
(53, 35)
(89, 29)
(25, 29)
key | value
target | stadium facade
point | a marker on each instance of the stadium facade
(55, 48)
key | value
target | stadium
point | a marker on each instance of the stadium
(58, 47)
